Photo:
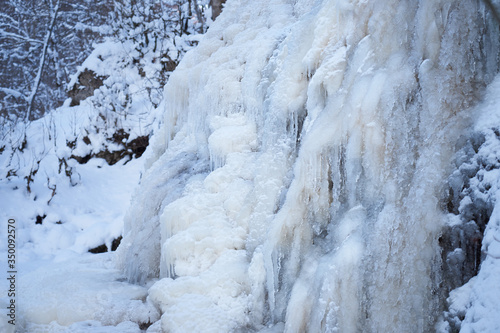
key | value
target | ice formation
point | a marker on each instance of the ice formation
(297, 182)
(474, 226)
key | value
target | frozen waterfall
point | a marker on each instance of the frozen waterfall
(297, 182)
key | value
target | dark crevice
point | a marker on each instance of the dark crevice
(88, 82)
(470, 203)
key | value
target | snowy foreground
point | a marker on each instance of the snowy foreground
(300, 182)
(57, 278)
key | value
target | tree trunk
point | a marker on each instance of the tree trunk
(199, 15)
(43, 57)
(216, 8)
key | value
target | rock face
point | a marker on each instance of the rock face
(470, 204)
(87, 83)
(122, 148)
(471, 238)
(298, 179)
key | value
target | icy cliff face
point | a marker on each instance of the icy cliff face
(297, 180)
(471, 239)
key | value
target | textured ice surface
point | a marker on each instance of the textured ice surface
(296, 182)
(473, 306)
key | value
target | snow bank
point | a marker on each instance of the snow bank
(95, 295)
(296, 182)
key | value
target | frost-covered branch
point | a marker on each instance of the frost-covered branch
(12, 35)
(12, 92)
(2, 15)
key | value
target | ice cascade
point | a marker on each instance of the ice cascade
(297, 182)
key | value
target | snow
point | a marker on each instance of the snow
(295, 185)
(80, 199)
(93, 289)
(60, 287)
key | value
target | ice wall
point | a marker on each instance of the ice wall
(296, 183)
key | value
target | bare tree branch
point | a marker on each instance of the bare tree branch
(7, 34)
(12, 92)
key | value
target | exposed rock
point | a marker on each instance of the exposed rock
(88, 82)
(131, 149)
(39, 219)
(103, 247)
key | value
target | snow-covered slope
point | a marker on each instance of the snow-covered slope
(298, 180)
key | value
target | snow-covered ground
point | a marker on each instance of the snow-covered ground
(63, 208)
(296, 183)
(67, 179)
(86, 211)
